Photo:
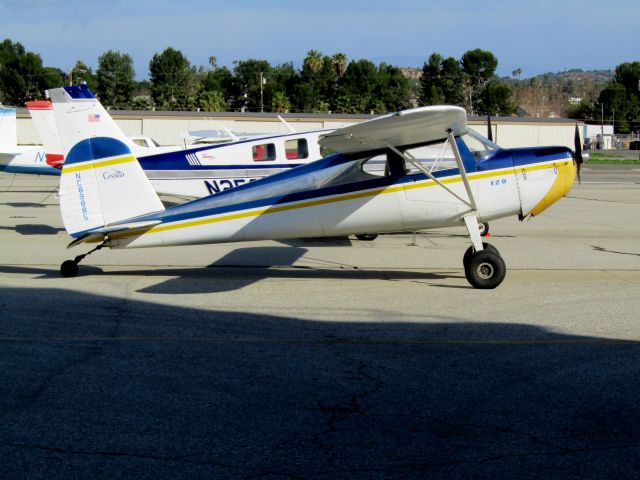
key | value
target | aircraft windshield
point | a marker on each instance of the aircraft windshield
(434, 157)
(480, 147)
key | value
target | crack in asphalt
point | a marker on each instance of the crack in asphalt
(598, 248)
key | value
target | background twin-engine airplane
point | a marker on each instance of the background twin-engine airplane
(374, 183)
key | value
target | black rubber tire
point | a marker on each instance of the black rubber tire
(69, 268)
(484, 228)
(367, 237)
(470, 251)
(486, 270)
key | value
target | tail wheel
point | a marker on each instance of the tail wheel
(484, 228)
(69, 268)
(486, 269)
(367, 237)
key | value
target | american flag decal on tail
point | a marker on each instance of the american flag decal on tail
(94, 117)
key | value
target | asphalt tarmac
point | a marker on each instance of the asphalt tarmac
(325, 359)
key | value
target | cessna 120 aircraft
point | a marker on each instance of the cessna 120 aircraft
(105, 197)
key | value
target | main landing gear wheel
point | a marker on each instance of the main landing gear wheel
(470, 251)
(484, 228)
(69, 268)
(367, 237)
(486, 269)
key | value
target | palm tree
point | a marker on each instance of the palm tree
(314, 61)
(339, 61)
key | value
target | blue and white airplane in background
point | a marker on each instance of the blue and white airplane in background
(196, 171)
(372, 184)
(20, 159)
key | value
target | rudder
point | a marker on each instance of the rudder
(102, 183)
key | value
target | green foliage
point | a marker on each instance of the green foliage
(22, 76)
(618, 102)
(171, 80)
(244, 88)
(441, 82)
(141, 103)
(280, 102)
(211, 101)
(83, 73)
(115, 79)
(495, 99)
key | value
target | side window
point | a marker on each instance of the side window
(296, 149)
(377, 166)
(263, 153)
(433, 158)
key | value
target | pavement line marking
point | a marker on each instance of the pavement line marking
(568, 341)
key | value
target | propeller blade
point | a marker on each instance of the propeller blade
(577, 156)
(489, 131)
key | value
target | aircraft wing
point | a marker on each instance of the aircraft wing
(408, 127)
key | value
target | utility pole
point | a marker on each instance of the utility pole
(261, 91)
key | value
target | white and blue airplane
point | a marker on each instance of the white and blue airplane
(20, 159)
(372, 184)
(196, 171)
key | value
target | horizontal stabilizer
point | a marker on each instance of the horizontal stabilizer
(408, 127)
(99, 233)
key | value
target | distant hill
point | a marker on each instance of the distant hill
(553, 94)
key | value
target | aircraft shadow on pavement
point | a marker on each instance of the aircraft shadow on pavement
(240, 268)
(245, 266)
(95, 385)
(34, 229)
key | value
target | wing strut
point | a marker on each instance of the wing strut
(471, 219)
(413, 161)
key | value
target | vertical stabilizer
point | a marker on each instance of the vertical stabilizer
(79, 115)
(41, 112)
(8, 130)
(102, 183)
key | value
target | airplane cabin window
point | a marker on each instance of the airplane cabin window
(265, 152)
(377, 166)
(434, 158)
(296, 149)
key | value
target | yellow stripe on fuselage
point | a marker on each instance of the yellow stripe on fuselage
(325, 201)
(104, 163)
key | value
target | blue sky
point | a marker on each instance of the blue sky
(536, 36)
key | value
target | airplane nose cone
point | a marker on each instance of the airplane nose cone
(565, 170)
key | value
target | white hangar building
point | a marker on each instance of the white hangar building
(166, 128)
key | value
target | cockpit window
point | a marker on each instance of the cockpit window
(480, 147)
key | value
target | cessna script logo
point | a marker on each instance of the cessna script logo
(112, 174)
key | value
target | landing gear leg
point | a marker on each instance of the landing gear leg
(69, 268)
(483, 265)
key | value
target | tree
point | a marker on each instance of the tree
(22, 76)
(479, 66)
(391, 90)
(441, 81)
(171, 80)
(115, 79)
(495, 99)
(211, 101)
(340, 62)
(280, 102)
(245, 85)
(83, 73)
